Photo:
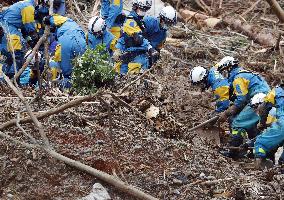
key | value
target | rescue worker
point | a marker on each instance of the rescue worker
(205, 79)
(71, 43)
(133, 48)
(111, 12)
(139, 9)
(98, 34)
(30, 75)
(273, 136)
(131, 55)
(156, 27)
(245, 85)
(18, 22)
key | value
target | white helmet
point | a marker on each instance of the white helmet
(96, 25)
(198, 74)
(169, 15)
(226, 62)
(257, 99)
(144, 5)
(29, 54)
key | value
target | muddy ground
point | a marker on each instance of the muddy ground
(159, 156)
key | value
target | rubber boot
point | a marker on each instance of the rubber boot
(262, 163)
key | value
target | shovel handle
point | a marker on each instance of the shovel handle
(204, 123)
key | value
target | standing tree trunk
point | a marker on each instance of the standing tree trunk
(276, 9)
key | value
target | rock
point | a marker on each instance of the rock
(152, 112)
(177, 181)
(10, 196)
(211, 177)
(100, 142)
(202, 175)
(29, 162)
(212, 22)
(98, 193)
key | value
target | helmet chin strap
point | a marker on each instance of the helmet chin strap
(205, 84)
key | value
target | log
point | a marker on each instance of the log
(276, 9)
(48, 113)
(238, 25)
(128, 189)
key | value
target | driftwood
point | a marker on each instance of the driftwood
(236, 24)
(276, 9)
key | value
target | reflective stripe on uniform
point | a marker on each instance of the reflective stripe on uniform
(238, 132)
(14, 42)
(270, 119)
(241, 86)
(134, 68)
(28, 15)
(117, 2)
(57, 54)
(261, 150)
(270, 97)
(59, 20)
(222, 92)
(116, 31)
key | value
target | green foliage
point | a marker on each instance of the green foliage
(92, 70)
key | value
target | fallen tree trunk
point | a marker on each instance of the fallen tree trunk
(276, 9)
(48, 113)
(238, 25)
(128, 189)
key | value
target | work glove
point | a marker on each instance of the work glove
(154, 55)
(260, 127)
(46, 20)
(116, 55)
(32, 39)
(247, 144)
(212, 114)
(262, 163)
(231, 111)
(223, 117)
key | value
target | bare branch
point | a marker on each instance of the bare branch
(31, 114)
(50, 112)
(129, 189)
(276, 9)
(23, 130)
(18, 142)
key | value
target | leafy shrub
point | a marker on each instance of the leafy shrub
(92, 70)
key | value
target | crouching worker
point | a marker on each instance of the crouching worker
(98, 34)
(18, 23)
(111, 12)
(156, 28)
(131, 55)
(71, 43)
(30, 75)
(245, 85)
(273, 136)
(205, 79)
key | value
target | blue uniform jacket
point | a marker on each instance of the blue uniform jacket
(110, 9)
(121, 44)
(220, 87)
(106, 39)
(21, 15)
(276, 98)
(245, 85)
(153, 32)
